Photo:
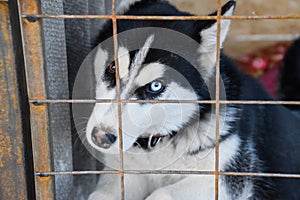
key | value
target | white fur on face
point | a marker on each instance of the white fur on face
(99, 62)
(124, 61)
(103, 115)
(142, 53)
(163, 118)
(150, 73)
(138, 119)
(136, 65)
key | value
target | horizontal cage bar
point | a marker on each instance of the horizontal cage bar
(52, 101)
(33, 17)
(174, 172)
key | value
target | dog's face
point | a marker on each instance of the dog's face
(154, 64)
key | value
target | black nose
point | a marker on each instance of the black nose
(102, 139)
(112, 138)
(94, 132)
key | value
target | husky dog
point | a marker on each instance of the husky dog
(175, 60)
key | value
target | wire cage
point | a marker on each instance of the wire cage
(41, 33)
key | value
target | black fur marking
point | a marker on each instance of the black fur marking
(182, 72)
(110, 76)
(159, 8)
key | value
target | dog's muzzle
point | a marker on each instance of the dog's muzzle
(102, 139)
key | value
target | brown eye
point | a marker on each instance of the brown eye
(112, 68)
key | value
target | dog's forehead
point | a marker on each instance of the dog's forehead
(135, 70)
(136, 59)
(145, 63)
(150, 72)
(124, 61)
(130, 53)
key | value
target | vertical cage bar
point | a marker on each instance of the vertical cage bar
(35, 74)
(12, 157)
(115, 40)
(217, 104)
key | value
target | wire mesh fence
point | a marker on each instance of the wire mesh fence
(40, 103)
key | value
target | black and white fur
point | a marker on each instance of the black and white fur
(252, 138)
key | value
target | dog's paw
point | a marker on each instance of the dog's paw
(159, 195)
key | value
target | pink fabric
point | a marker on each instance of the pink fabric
(264, 64)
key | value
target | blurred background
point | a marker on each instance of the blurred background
(258, 46)
(242, 32)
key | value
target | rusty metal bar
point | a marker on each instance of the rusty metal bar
(172, 172)
(118, 88)
(33, 55)
(12, 158)
(23, 96)
(51, 173)
(34, 17)
(38, 102)
(217, 104)
(118, 17)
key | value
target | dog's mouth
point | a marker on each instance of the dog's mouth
(148, 142)
(102, 139)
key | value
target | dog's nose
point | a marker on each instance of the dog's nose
(102, 139)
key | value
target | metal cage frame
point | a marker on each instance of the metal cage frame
(29, 13)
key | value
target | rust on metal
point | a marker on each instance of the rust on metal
(38, 102)
(217, 104)
(119, 17)
(33, 53)
(188, 172)
(132, 17)
(12, 163)
(115, 43)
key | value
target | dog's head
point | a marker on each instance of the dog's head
(158, 60)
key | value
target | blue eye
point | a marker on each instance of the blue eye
(151, 90)
(156, 87)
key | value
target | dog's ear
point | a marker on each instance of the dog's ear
(208, 33)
